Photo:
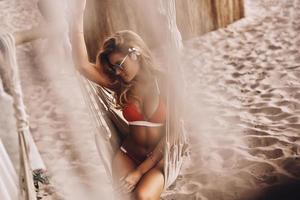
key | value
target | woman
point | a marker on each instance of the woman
(125, 65)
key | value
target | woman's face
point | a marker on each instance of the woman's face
(129, 69)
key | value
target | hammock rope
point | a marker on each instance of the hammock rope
(176, 141)
(30, 158)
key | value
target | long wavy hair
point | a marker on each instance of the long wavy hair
(120, 42)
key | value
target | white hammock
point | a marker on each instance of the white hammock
(30, 158)
(8, 180)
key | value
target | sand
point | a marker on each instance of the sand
(244, 106)
(242, 113)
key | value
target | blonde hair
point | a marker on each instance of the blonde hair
(120, 42)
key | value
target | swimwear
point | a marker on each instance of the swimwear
(136, 159)
(134, 117)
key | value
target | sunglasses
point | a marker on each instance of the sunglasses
(115, 67)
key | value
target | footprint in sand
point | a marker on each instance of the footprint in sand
(191, 187)
(267, 153)
(266, 110)
(291, 165)
(252, 141)
(254, 132)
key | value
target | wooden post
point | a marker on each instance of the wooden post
(193, 18)
(227, 11)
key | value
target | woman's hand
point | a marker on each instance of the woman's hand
(129, 182)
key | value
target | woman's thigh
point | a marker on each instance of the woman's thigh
(151, 185)
(122, 165)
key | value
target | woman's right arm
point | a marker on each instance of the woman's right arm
(79, 51)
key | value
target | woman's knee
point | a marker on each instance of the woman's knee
(143, 194)
(150, 186)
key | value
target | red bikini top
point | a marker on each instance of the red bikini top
(131, 113)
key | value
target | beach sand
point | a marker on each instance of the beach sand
(243, 94)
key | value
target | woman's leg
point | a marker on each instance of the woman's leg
(122, 165)
(151, 185)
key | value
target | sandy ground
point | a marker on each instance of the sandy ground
(244, 107)
(242, 116)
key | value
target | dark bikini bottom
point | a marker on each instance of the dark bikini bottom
(136, 159)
